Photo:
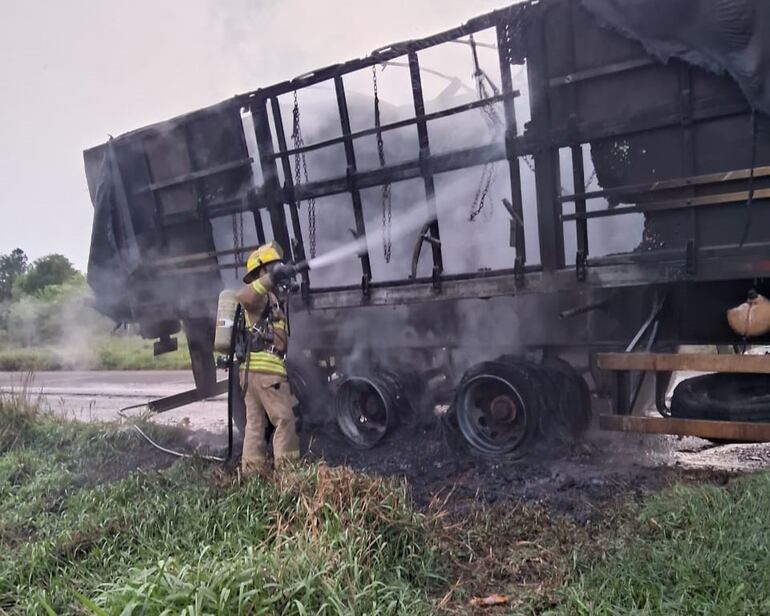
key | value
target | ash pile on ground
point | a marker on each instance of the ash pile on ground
(578, 481)
(574, 480)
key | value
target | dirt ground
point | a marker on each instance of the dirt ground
(573, 479)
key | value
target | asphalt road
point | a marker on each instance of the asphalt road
(100, 395)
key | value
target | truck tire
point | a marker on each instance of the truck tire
(310, 388)
(521, 381)
(723, 397)
(572, 416)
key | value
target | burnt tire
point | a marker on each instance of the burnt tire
(723, 397)
(571, 416)
(310, 388)
(497, 408)
(368, 408)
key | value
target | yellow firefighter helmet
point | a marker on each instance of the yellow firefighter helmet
(267, 253)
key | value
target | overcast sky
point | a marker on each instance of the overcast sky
(74, 71)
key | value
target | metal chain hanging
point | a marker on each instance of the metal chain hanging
(487, 175)
(300, 173)
(387, 205)
(495, 124)
(590, 179)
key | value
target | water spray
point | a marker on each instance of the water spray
(402, 225)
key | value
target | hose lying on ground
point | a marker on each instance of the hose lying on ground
(178, 454)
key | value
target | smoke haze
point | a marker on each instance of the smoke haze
(76, 71)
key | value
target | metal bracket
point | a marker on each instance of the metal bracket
(581, 265)
(436, 278)
(166, 344)
(657, 308)
(624, 405)
(691, 258)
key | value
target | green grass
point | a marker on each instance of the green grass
(83, 531)
(700, 549)
(193, 540)
(97, 353)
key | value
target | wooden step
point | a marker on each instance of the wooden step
(671, 362)
(749, 432)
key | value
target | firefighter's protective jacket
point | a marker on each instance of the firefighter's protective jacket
(261, 307)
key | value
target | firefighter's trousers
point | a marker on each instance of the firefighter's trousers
(268, 397)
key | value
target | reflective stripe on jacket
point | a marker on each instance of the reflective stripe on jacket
(265, 361)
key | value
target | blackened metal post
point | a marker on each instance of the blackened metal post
(252, 205)
(622, 402)
(581, 224)
(258, 226)
(427, 176)
(271, 187)
(509, 110)
(688, 156)
(578, 168)
(350, 156)
(547, 177)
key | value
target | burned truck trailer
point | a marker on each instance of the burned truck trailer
(594, 200)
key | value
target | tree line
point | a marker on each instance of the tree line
(18, 276)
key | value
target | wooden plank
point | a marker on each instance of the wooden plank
(749, 432)
(669, 362)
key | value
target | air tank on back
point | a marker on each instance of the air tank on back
(226, 307)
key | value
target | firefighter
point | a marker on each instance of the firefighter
(264, 379)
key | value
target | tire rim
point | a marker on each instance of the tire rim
(491, 415)
(364, 411)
